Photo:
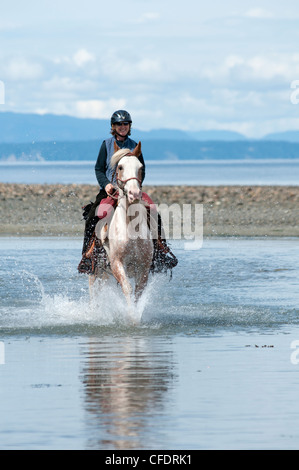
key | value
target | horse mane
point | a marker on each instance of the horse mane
(120, 153)
(116, 157)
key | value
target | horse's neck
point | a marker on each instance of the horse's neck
(122, 202)
(123, 209)
(127, 215)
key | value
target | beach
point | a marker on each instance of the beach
(56, 209)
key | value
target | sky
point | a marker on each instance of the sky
(192, 65)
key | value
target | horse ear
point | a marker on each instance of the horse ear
(137, 150)
(116, 147)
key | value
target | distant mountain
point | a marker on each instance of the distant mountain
(216, 135)
(32, 128)
(161, 134)
(22, 128)
(171, 150)
(28, 128)
(288, 136)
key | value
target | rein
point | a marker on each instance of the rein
(115, 195)
(123, 182)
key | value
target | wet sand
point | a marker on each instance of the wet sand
(51, 210)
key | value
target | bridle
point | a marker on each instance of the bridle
(121, 183)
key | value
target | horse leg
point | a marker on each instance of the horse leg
(98, 275)
(140, 284)
(91, 281)
(119, 273)
(144, 266)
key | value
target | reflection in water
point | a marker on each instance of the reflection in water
(125, 385)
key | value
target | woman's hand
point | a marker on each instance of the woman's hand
(109, 188)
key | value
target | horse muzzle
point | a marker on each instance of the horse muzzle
(134, 195)
(132, 188)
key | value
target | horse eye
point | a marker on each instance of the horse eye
(120, 167)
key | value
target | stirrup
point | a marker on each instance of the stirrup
(94, 257)
(85, 266)
(163, 259)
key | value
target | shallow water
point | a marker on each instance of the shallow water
(212, 364)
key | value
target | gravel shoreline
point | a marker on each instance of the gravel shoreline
(56, 210)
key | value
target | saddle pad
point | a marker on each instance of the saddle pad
(108, 203)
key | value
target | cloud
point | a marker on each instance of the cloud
(95, 109)
(66, 86)
(98, 109)
(237, 92)
(8, 26)
(82, 57)
(20, 68)
(148, 17)
(258, 13)
(79, 59)
(2, 92)
(253, 72)
(120, 67)
(203, 66)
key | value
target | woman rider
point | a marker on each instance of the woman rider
(121, 130)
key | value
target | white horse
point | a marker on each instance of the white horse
(126, 236)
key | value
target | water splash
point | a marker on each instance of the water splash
(110, 304)
(58, 301)
(35, 308)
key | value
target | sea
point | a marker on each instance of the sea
(164, 172)
(211, 363)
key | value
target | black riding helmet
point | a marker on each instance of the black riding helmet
(120, 116)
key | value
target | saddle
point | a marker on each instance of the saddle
(94, 255)
(95, 258)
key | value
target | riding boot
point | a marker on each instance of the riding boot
(163, 258)
(89, 215)
(94, 258)
(87, 263)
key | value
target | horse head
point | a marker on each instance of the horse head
(128, 171)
